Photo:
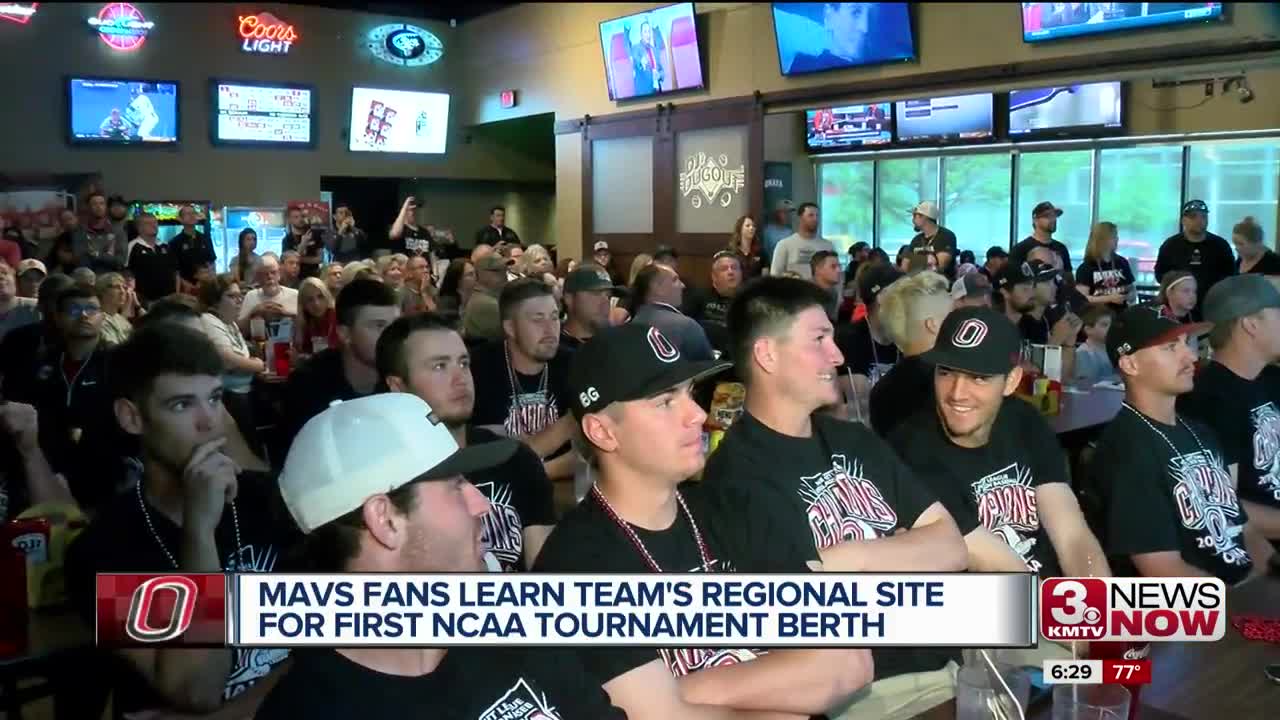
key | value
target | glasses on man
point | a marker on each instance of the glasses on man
(77, 311)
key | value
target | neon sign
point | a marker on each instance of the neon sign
(266, 34)
(18, 12)
(121, 26)
(405, 45)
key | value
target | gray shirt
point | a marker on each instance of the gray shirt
(793, 253)
(683, 331)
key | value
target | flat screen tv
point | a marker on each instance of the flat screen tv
(398, 121)
(651, 53)
(814, 37)
(952, 119)
(263, 114)
(1050, 21)
(107, 111)
(851, 126)
(1066, 110)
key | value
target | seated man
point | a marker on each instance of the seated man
(632, 396)
(911, 311)
(1171, 506)
(868, 352)
(415, 513)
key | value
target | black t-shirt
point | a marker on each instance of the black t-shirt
(908, 386)
(120, 540)
(1209, 260)
(1034, 330)
(153, 268)
(587, 540)
(538, 404)
(1020, 251)
(1111, 277)
(191, 252)
(482, 683)
(942, 241)
(415, 241)
(520, 496)
(1161, 500)
(292, 240)
(994, 485)
(311, 388)
(1268, 264)
(1247, 419)
(862, 354)
(711, 310)
(569, 343)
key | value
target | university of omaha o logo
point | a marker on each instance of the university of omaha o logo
(662, 348)
(970, 334)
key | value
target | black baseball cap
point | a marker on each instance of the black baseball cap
(876, 279)
(995, 251)
(1195, 206)
(1042, 271)
(588, 277)
(630, 362)
(1046, 208)
(976, 340)
(1141, 327)
(1015, 274)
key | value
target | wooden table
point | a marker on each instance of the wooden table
(1096, 406)
(59, 645)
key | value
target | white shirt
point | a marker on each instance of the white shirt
(793, 253)
(286, 297)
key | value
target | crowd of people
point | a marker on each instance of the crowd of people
(424, 425)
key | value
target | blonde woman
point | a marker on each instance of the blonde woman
(359, 269)
(1104, 277)
(535, 262)
(316, 328)
(391, 270)
(113, 294)
(642, 261)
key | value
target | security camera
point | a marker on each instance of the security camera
(1244, 93)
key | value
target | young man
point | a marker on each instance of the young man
(911, 311)
(482, 321)
(423, 355)
(307, 245)
(587, 292)
(1230, 397)
(1206, 255)
(824, 267)
(997, 258)
(101, 246)
(1044, 223)
(971, 290)
(633, 401)
(521, 381)
(497, 231)
(993, 461)
(793, 253)
(350, 243)
(191, 248)
(31, 272)
(364, 309)
(1172, 506)
(657, 295)
(406, 235)
(155, 266)
(868, 352)
(601, 256)
(933, 239)
(271, 300)
(415, 513)
(189, 510)
(711, 308)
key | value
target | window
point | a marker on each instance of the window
(1237, 180)
(975, 206)
(1140, 191)
(903, 185)
(1066, 180)
(846, 204)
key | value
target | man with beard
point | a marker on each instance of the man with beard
(190, 510)
(423, 355)
(377, 484)
(933, 239)
(192, 248)
(307, 242)
(1207, 256)
(1044, 222)
(587, 292)
(521, 381)
(710, 309)
(102, 247)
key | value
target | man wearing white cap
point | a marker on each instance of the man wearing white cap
(933, 239)
(377, 485)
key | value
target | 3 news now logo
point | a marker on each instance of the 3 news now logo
(186, 610)
(1133, 609)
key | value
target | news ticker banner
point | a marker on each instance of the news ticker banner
(654, 610)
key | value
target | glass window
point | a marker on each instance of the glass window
(1064, 179)
(1237, 180)
(846, 204)
(976, 205)
(1140, 191)
(903, 185)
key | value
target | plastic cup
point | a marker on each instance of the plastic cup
(1090, 702)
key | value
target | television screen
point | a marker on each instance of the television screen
(262, 114)
(813, 37)
(1048, 21)
(122, 112)
(850, 126)
(958, 118)
(652, 52)
(398, 121)
(1065, 109)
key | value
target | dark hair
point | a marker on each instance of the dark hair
(117, 200)
(49, 294)
(735, 240)
(496, 208)
(211, 291)
(160, 349)
(359, 293)
(644, 283)
(169, 309)
(330, 547)
(93, 194)
(390, 356)
(75, 292)
(819, 257)
(767, 306)
(1095, 313)
(1249, 229)
(805, 206)
(517, 291)
(453, 278)
(879, 254)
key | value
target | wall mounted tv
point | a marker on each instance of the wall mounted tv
(106, 111)
(851, 126)
(263, 114)
(1066, 110)
(1050, 21)
(814, 37)
(651, 53)
(398, 121)
(953, 119)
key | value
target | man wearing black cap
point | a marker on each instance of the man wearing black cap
(1205, 255)
(640, 427)
(997, 258)
(1172, 507)
(1044, 223)
(994, 462)
(858, 254)
(1026, 292)
(868, 352)
(710, 308)
(1230, 397)
(587, 291)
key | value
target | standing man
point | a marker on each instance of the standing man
(306, 242)
(497, 231)
(657, 296)
(154, 266)
(406, 236)
(587, 292)
(711, 309)
(191, 248)
(350, 243)
(1044, 223)
(481, 320)
(778, 227)
(1207, 256)
(825, 269)
(794, 252)
(102, 247)
(933, 239)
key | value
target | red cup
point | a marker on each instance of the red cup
(13, 601)
(280, 356)
(1123, 651)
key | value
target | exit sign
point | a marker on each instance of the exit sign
(508, 98)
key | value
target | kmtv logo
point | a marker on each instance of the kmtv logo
(187, 610)
(1133, 609)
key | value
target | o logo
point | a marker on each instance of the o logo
(138, 626)
(662, 348)
(970, 334)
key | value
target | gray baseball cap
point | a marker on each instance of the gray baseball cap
(1238, 296)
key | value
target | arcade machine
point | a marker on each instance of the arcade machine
(270, 223)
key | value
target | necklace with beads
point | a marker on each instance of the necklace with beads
(703, 553)
(142, 505)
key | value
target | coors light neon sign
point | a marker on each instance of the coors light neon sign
(266, 34)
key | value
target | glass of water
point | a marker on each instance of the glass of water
(980, 696)
(1090, 702)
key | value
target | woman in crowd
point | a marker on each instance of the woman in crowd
(317, 325)
(221, 298)
(641, 261)
(391, 270)
(1105, 277)
(332, 274)
(355, 270)
(455, 289)
(1254, 256)
(534, 263)
(244, 266)
(113, 296)
(419, 292)
(745, 241)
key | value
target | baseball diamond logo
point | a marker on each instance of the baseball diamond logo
(710, 177)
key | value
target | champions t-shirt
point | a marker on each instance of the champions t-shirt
(520, 496)
(1111, 277)
(523, 404)
(994, 485)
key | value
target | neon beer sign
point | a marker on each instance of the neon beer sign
(266, 34)
(121, 26)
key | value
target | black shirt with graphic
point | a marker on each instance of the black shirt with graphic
(520, 496)
(192, 252)
(908, 386)
(315, 250)
(535, 406)
(120, 540)
(1018, 255)
(1109, 277)
(1209, 260)
(711, 310)
(1165, 501)
(480, 683)
(862, 354)
(1268, 264)
(415, 241)
(1034, 330)
(942, 241)
(1247, 419)
(994, 485)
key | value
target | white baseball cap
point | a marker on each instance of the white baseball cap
(927, 209)
(600, 245)
(360, 448)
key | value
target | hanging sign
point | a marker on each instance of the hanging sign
(18, 12)
(121, 26)
(266, 34)
(406, 45)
